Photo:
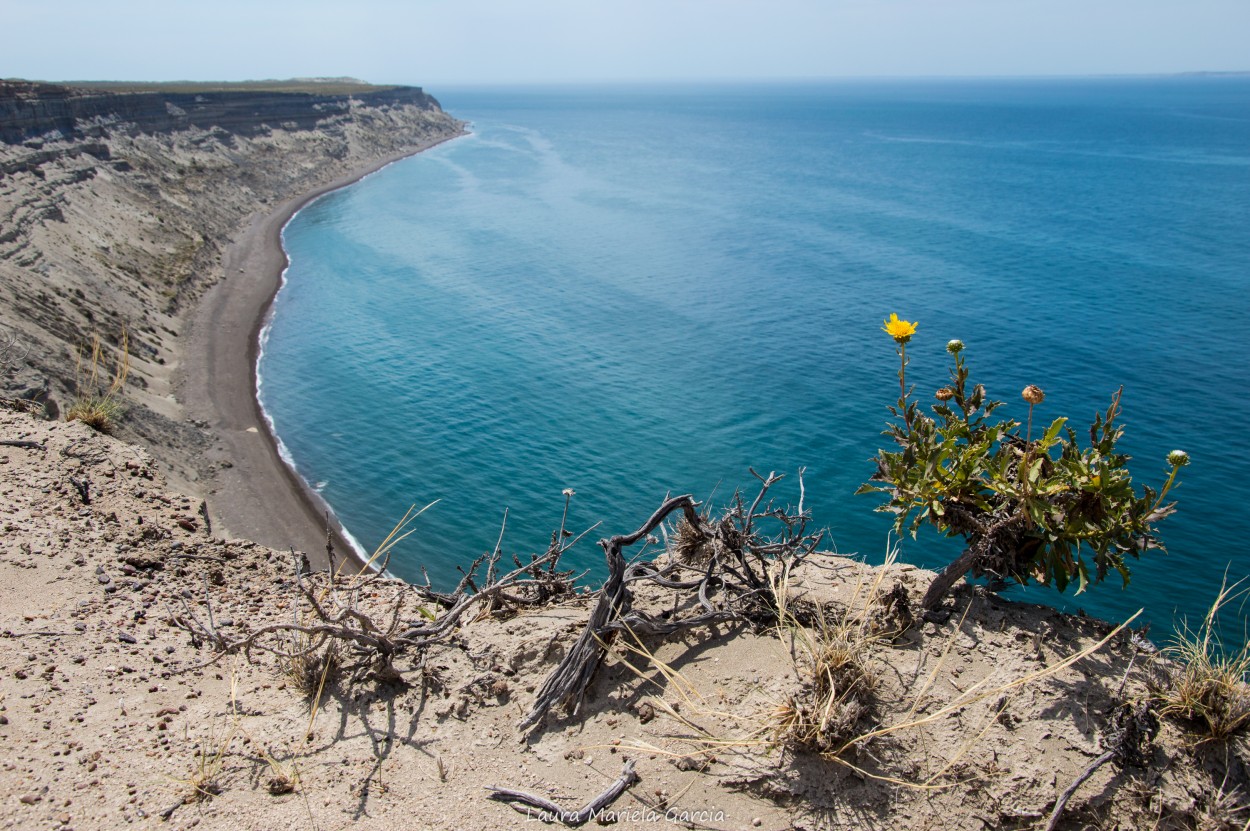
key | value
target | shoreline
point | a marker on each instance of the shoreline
(255, 494)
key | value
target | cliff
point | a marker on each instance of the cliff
(117, 203)
(33, 111)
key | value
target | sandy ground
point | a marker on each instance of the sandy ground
(114, 715)
(258, 496)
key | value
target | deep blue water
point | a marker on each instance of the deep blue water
(637, 291)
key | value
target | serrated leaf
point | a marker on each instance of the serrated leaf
(1053, 431)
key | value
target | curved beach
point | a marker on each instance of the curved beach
(256, 495)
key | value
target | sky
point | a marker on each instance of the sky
(458, 42)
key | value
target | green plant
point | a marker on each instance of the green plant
(97, 394)
(1028, 508)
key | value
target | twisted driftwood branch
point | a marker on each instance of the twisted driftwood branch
(551, 811)
(567, 684)
(1128, 745)
(737, 569)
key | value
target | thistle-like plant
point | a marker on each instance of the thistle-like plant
(1028, 509)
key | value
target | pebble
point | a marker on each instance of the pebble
(126, 637)
(29, 798)
(104, 578)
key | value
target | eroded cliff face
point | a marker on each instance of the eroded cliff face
(115, 210)
(31, 111)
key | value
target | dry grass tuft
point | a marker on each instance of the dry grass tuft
(204, 781)
(97, 398)
(309, 668)
(1224, 810)
(1205, 686)
(689, 545)
(833, 659)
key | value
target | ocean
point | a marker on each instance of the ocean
(641, 291)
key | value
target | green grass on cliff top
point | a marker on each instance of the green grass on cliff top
(317, 86)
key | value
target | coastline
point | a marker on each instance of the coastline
(255, 494)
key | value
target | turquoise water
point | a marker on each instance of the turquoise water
(638, 291)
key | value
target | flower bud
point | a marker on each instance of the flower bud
(944, 394)
(954, 346)
(1033, 394)
(1178, 458)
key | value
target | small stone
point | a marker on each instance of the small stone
(104, 578)
(29, 798)
(126, 637)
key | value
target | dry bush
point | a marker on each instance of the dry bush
(342, 626)
(12, 350)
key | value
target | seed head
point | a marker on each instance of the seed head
(1033, 394)
(944, 394)
(955, 346)
(1178, 458)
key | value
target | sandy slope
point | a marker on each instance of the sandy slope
(109, 707)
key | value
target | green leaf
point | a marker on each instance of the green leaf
(1053, 431)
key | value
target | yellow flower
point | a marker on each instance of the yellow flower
(900, 330)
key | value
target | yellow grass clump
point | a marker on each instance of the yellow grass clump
(97, 397)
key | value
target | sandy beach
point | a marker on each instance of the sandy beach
(256, 495)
